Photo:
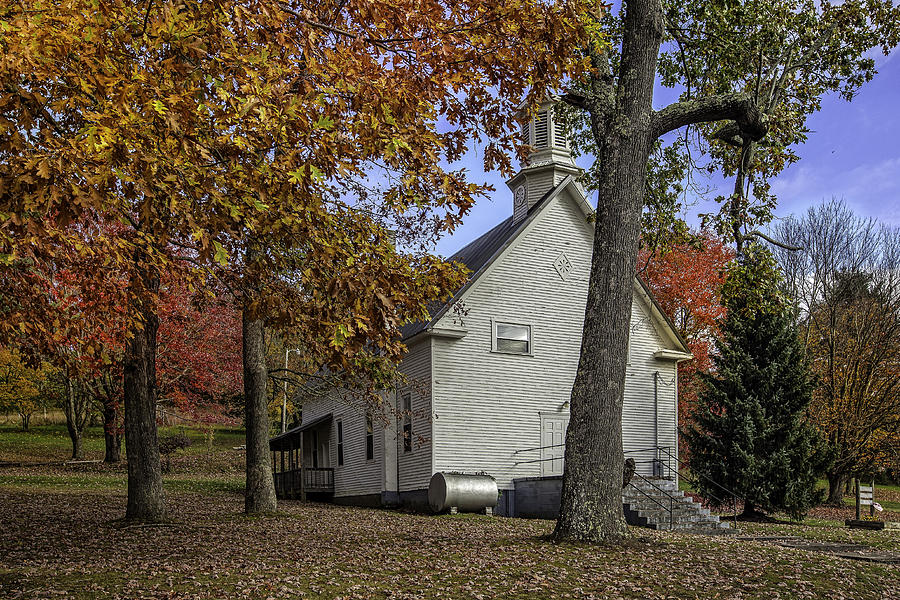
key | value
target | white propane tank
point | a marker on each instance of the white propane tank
(467, 493)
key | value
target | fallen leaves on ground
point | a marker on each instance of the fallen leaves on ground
(60, 544)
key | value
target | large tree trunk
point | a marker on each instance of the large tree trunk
(111, 436)
(146, 501)
(836, 482)
(260, 492)
(591, 508)
(751, 512)
(624, 126)
(77, 446)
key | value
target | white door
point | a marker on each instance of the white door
(553, 440)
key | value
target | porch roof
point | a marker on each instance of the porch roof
(291, 437)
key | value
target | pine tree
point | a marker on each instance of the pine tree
(751, 433)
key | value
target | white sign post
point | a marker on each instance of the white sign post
(865, 496)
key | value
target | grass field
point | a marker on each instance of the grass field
(51, 443)
(58, 539)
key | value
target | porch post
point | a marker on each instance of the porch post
(291, 458)
(301, 467)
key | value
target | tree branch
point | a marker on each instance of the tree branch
(575, 99)
(730, 133)
(761, 235)
(734, 107)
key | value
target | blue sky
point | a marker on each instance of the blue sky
(853, 152)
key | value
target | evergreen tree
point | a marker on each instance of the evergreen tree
(751, 433)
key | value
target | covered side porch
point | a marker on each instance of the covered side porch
(301, 460)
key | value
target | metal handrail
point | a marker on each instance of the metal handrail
(656, 461)
(654, 449)
(671, 498)
(539, 448)
(734, 496)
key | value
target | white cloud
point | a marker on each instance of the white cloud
(870, 189)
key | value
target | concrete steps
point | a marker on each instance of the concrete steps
(659, 504)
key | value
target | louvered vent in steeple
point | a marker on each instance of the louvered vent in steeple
(549, 163)
(559, 134)
(541, 132)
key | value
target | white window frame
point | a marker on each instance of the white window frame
(339, 434)
(406, 422)
(369, 438)
(494, 325)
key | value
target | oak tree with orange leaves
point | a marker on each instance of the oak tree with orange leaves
(275, 139)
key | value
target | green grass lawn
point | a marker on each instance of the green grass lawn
(51, 443)
(46, 443)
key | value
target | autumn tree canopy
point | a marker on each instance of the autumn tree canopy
(686, 280)
(252, 135)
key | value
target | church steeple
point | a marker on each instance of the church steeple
(549, 163)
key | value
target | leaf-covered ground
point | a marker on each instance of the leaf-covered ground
(56, 541)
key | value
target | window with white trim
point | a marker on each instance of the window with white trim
(370, 438)
(406, 400)
(340, 443)
(512, 338)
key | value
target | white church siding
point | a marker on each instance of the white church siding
(357, 476)
(415, 467)
(647, 423)
(488, 404)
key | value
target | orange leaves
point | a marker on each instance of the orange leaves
(309, 128)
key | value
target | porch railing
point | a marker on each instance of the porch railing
(288, 482)
(318, 479)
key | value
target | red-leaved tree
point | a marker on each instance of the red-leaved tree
(686, 281)
(199, 362)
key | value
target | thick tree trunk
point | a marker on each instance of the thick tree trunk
(77, 446)
(624, 126)
(111, 436)
(591, 508)
(836, 482)
(750, 511)
(146, 501)
(260, 492)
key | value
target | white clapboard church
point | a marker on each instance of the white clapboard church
(491, 373)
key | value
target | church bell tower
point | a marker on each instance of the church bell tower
(549, 163)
